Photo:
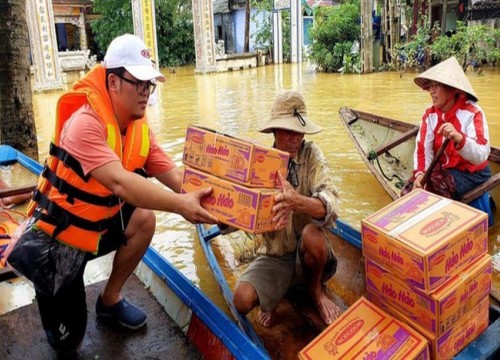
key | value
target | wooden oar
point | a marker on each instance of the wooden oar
(434, 162)
(17, 191)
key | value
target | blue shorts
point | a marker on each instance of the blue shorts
(466, 181)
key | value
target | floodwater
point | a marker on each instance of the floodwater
(238, 102)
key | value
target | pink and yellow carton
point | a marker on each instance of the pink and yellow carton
(234, 159)
(440, 310)
(245, 208)
(364, 331)
(424, 238)
(198, 151)
(456, 338)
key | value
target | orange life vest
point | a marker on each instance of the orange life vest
(71, 207)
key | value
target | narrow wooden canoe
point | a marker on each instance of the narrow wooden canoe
(387, 146)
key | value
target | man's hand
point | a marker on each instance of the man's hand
(284, 203)
(191, 208)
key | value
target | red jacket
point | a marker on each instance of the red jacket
(468, 119)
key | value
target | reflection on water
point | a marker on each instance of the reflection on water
(238, 102)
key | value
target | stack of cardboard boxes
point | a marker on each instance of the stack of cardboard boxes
(242, 175)
(427, 264)
(427, 271)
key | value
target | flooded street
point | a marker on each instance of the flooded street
(238, 102)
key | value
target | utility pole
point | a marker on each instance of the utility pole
(367, 36)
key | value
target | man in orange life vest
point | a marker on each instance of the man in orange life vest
(91, 195)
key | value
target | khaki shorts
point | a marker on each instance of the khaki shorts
(272, 276)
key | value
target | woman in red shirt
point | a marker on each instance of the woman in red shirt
(454, 115)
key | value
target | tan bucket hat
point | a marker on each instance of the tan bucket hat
(448, 72)
(289, 113)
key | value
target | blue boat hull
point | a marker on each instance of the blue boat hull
(211, 330)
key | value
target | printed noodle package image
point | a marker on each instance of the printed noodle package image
(364, 331)
(425, 239)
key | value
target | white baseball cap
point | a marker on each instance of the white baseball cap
(131, 52)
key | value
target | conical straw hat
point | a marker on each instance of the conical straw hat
(448, 72)
(289, 113)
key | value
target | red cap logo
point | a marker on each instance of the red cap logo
(197, 139)
(145, 53)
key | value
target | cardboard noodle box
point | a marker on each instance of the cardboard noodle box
(233, 159)
(248, 209)
(456, 338)
(425, 238)
(440, 310)
(364, 331)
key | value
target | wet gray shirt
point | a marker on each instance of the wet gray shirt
(314, 180)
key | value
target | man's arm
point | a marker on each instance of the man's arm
(140, 192)
(172, 178)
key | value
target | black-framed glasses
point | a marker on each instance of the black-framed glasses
(140, 86)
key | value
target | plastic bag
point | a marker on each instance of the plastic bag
(8, 242)
(47, 263)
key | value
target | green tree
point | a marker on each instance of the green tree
(17, 124)
(469, 44)
(115, 20)
(174, 27)
(414, 53)
(263, 35)
(335, 31)
(175, 32)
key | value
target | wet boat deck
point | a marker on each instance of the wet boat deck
(22, 335)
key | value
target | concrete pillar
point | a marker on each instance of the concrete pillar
(277, 38)
(204, 38)
(43, 44)
(144, 19)
(83, 33)
(296, 31)
(443, 17)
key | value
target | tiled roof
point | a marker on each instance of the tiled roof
(87, 3)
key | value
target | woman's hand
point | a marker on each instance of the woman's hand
(417, 184)
(449, 132)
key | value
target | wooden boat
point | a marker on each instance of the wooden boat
(228, 256)
(387, 146)
(214, 334)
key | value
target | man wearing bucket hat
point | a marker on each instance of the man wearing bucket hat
(454, 115)
(299, 251)
(91, 195)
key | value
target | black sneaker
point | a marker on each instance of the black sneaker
(123, 312)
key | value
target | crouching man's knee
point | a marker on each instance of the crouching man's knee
(245, 297)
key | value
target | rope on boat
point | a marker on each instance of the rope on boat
(401, 182)
(7, 214)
